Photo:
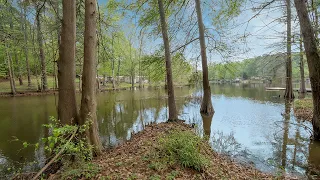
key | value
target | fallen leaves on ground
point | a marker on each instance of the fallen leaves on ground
(129, 160)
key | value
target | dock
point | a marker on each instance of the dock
(282, 88)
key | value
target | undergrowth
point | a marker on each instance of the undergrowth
(179, 147)
(75, 151)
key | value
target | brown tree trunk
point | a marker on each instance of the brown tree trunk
(67, 106)
(10, 72)
(25, 48)
(140, 56)
(303, 82)
(18, 68)
(289, 89)
(132, 66)
(88, 101)
(113, 64)
(171, 100)
(206, 106)
(313, 60)
(44, 84)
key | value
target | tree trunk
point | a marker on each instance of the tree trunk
(132, 66)
(113, 64)
(289, 89)
(88, 101)
(10, 72)
(67, 106)
(303, 82)
(44, 84)
(140, 55)
(206, 106)
(18, 68)
(24, 29)
(55, 64)
(313, 60)
(316, 19)
(171, 100)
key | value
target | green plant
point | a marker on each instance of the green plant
(77, 149)
(80, 170)
(172, 175)
(183, 147)
(155, 177)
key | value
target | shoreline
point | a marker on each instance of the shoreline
(133, 159)
(52, 91)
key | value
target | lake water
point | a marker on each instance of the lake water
(250, 124)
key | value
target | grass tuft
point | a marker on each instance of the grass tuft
(181, 147)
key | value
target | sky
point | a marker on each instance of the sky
(261, 29)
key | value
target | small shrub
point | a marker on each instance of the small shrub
(183, 147)
(78, 149)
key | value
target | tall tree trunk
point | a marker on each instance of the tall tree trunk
(67, 106)
(88, 101)
(18, 68)
(132, 66)
(313, 60)
(10, 72)
(44, 84)
(55, 64)
(303, 82)
(171, 100)
(113, 64)
(289, 89)
(140, 55)
(25, 35)
(206, 106)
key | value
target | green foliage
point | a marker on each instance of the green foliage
(172, 175)
(78, 148)
(155, 177)
(182, 147)
(269, 66)
(80, 170)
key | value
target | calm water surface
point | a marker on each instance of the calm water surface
(250, 124)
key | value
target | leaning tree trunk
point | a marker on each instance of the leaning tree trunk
(88, 101)
(206, 106)
(24, 29)
(67, 106)
(289, 89)
(303, 82)
(171, 101)
(313, 59)
(44, 84)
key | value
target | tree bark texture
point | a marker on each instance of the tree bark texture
(25, 35)
(302, 81)
(289, 89)
(44, 84)
(206, 105)
(313, 60)
(88, 101)
(171, 99)
(67, 106)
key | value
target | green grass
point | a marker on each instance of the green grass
(303, 104)
(5, 85)
(180, 147)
